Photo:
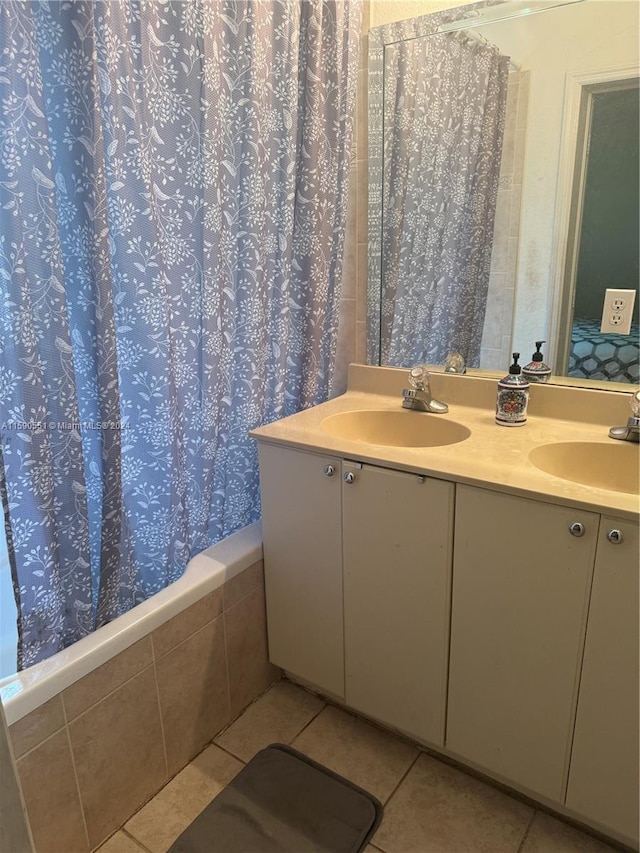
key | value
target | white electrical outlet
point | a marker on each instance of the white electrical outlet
(617, 311)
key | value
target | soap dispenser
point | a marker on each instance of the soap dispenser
(537, 370)
(513, 396)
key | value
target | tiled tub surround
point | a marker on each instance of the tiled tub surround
(95, 752)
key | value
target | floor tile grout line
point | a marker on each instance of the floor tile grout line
(404, 776)
(314, 717)
(526, 832)
(255, 701)
(244, 710)
(227, 751)
(135, 840)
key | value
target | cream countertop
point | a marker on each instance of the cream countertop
(493, 457)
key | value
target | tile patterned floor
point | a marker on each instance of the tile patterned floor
(430, 807)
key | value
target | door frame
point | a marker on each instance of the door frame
(574, 148)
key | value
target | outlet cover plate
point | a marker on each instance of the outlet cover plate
(617, 311)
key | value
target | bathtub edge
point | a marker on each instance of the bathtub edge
(28, 690)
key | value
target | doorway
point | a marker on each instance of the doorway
(605, 248)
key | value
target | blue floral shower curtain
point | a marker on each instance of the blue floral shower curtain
(172, 206)
(444, 111)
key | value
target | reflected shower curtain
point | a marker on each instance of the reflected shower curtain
(445, 99)
(173, 184)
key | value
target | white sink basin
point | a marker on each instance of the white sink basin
(613, 466)
(396, 429)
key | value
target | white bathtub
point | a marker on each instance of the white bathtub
(31, 688)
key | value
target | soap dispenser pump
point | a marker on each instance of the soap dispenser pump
(537, 370)
(513, 396)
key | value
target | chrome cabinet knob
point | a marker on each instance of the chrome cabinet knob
(329, 470)
(577, 528)
(349, 478)
(615, 536)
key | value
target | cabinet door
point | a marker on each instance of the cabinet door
(397, 566)
(302, 533)
(520, 594)
(603, 780)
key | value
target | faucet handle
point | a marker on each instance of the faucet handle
(634, 402)
(419, 377)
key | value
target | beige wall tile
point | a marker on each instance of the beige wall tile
(349, 267)
(362, 275)
(368, 756)
(250, 672)
(518, 168)
(102, 681)
(492, 359)
(243, 584)
(120, 843)
(523, 100)
(51, 796)
(361, 343)
(440, 808)
(352, 203)
(118, 752)
(194, 693)
(167, 636)
(362, 115)
(514, 215)
(170, 812)
(548, 835)
(346, 347)
(495, 311)
(277, 717)
(37, 726)
(363, 197)
(364, 46)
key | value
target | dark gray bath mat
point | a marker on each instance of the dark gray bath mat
(282, 802)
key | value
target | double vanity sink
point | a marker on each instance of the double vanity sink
(472, 586)
(562, 454)
(604, 464)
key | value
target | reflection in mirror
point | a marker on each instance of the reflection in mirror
(444, 109)
(477, 124)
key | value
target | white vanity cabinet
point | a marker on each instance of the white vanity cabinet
(397, 534)
(302, 533)
(500, 629)
(603, 779)
(357, 569)
(521, 582)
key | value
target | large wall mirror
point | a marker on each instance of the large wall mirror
(503, 186)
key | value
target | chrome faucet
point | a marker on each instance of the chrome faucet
(419, 397)
(630, 432)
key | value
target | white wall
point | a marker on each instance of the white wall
(591, 36)
(386, 11)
